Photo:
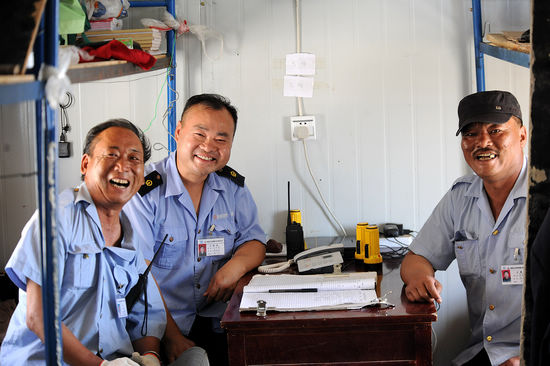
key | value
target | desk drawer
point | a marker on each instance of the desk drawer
(401, 343)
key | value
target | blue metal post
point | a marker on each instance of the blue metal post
(171, 102)
(171, 75)
(478, 38)
(46, 135)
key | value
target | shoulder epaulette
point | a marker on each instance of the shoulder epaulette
(230, 173)
(152, 180)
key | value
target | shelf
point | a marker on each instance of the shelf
(19, 88)
(515, 57)
(93, 71)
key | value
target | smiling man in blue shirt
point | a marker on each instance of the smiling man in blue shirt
(98, 264)
(214, 237)
(481, 222)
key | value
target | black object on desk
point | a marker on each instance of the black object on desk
(294, 234)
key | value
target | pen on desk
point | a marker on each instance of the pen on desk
(275, 291)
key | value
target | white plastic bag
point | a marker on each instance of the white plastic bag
(105, 9)
(203, 33)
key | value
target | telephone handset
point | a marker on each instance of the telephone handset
(316, 260)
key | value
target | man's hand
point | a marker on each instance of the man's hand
(147, 359)
(419, 277)
(249, 255)
(175, 344)
(424, 289)
(122, 361)
(514, 361)
(223, 283)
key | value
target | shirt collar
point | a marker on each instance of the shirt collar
(83, 195)
(174, 184)
(518, 191)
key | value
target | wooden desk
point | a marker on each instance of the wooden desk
(398, 336)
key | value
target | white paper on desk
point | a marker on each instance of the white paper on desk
(308, 301)
(321, 282)
(298, 86)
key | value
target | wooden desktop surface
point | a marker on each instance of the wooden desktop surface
(370, 336)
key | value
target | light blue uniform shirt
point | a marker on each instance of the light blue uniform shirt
(226, 211)
(462, 226)
(91, 277)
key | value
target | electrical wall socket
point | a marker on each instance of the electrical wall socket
(301, 122)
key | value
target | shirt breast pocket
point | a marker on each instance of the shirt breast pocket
(171, 253)
(467, 254)
(227, 230)
(516, 247)
(81, 269)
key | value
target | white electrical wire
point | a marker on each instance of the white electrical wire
(301, 113)
(319, 189)
(299, 100)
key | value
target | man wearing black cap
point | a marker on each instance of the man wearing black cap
(480, 222)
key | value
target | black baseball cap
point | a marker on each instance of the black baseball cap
(493, 106)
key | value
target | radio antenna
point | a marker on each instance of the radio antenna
(288, 191)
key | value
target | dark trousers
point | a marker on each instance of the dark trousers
(481, 359)
(215, 344)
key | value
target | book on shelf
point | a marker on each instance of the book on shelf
(106, 24)
(148, 39)
(286, 292)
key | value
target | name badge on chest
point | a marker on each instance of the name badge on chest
(121, 309)
(512, 274)
(208, 247)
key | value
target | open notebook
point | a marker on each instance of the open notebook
(309, 292)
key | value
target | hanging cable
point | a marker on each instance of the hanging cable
(301, 113)
(299, 100)
(64, 118)
(319, 189)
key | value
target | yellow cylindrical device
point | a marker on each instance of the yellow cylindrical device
(296, 216)
(360, 237)
(372, 245)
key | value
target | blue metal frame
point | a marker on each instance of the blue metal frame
(171, 75)
(518, 58)
(46, 134)
(21, 92)
(45, 53)
(480, 49)
(478, 38)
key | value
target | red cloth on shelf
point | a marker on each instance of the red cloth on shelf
(118, 50)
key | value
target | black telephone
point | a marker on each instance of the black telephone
(316, 260)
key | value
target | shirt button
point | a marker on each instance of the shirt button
(101, 350)
(171, 239)
(198, 285)
(492, 270)
(495, 232)
(199, 259)
(489, 338)
(198, 232)
(491, 307)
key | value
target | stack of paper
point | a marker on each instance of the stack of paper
(109, 24)
(148, 39)
(310, 292)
